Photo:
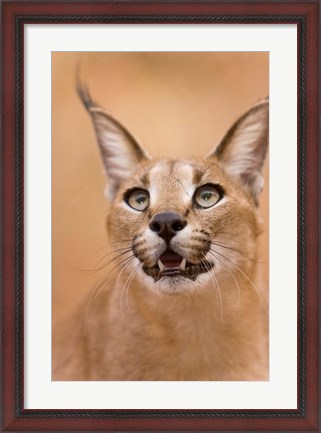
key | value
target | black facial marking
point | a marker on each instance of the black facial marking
(138, 252)
(205, 232)
(197, 176)
(202, 231)
(200, 239)
(139, 243)
(145, 180)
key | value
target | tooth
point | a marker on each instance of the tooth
(160, 264)
(182, 265)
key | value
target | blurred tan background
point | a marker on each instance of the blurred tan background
(175, 104)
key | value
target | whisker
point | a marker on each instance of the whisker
(216, 285)
(93, 271)
(236, 283)
(139, 266)
(241, 272)
(98, 288)
(123, 251)
(130, 248)
(90, 299)
(113, 252)
(234, 250)
(124, 262)
(104, 265)
(235, 242)
(219, 295)
(107, 246)
(120, 240)
(122, 291)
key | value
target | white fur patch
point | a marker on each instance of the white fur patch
(155, 174)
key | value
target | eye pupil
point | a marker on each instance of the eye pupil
(206, 195)
(141, 199)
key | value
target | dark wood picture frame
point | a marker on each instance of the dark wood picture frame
(306, 15)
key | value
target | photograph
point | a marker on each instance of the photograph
(160, 216)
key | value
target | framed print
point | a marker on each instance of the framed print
(185, 298)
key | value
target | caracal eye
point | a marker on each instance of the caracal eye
(138, 199)
(207, 196)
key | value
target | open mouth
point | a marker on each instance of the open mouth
(171, 264)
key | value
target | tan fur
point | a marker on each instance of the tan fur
(213, 328)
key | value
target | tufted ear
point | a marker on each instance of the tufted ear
(243, 149)
(121, 154)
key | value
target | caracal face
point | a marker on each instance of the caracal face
(185, 223)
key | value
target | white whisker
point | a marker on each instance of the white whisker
(121, 295)
(97, 289)
(139, 265)
(241, 272)
(236, 283)
(215, 281)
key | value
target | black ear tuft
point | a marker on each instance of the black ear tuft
(84, 94)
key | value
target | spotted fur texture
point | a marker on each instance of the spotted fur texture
(209, 327)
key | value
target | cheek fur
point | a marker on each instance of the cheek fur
(126, 222)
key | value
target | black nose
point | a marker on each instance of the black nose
(167, 224)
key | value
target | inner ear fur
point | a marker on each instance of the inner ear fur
(243, 149)
(120, 152)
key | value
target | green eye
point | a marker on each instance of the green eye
(138, 199)
(207, 196)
